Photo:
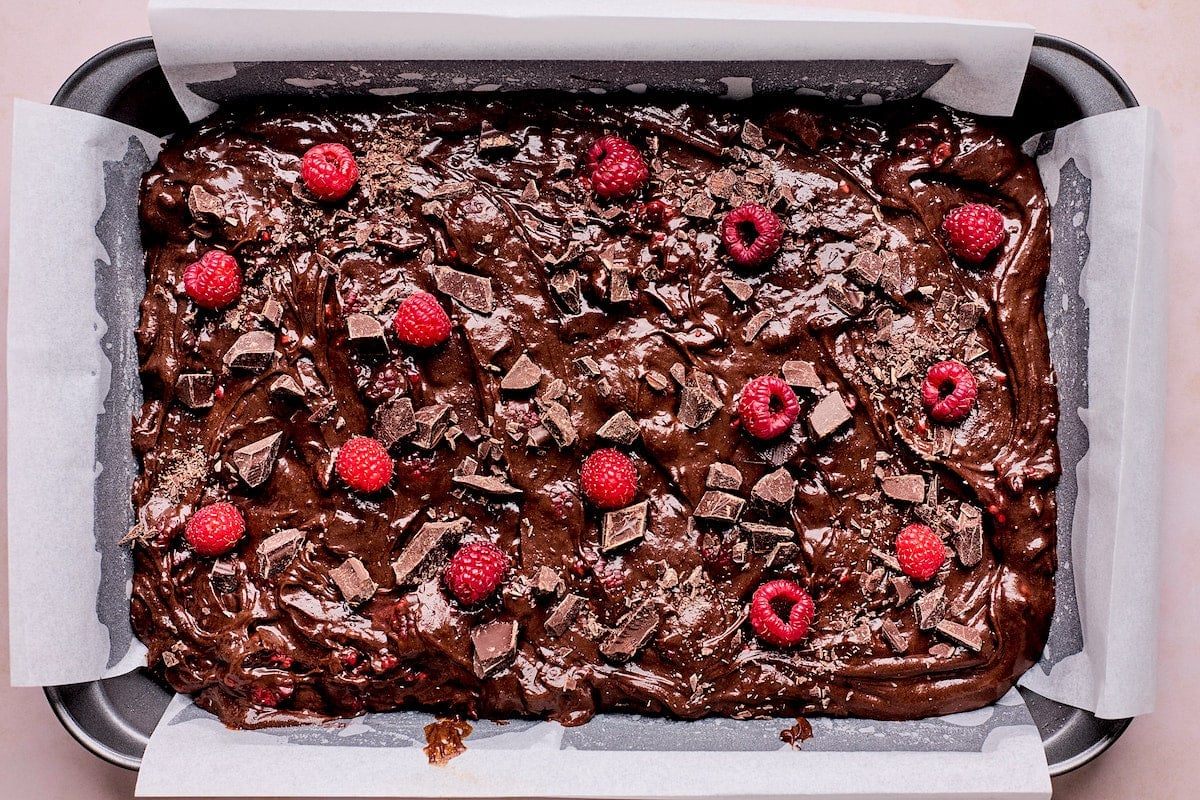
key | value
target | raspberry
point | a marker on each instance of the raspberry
(973, 231)
(475, 572)
(421, 321)
(765, 615)
(752, 234)
(948, 391)
(615, 167)
(215, 529)
(609, 479)
(364, 464)
(329, 171)
(919, 551)
(767, 407)
(214, 281)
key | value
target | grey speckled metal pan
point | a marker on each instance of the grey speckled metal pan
(113, 718)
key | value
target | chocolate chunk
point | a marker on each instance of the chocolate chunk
(968, 536)
(310, 379)
(205, 206)
(530, 194)
(224, 576)
(973, 349)
(255, 461)
(451, 189)
(865, 269)
(722, 183)
(587, 366)
(620, 428)
(941, 650)
(523, 376)
(394, 420)
(700, 205)
(488, 484)
(847, 298)
(679, 373)
(657, 381)
(253, 351)
(723, 476)
(739, 289)
(887, 559)
(829, 414)
(563, 615)
(699, 401)
(906, 488)
(756, 324)
(353, 581)
(272, 312)
(967, 637)
(894, 637)
(884, 319)
(547, 581)
(431, 536)
(555, 390)
(195, 389)
(277, 551)
(322, 409)
(618, 285)
(800, 375)
(538, 436)
(432, 422)
(969, 314)
(719, 507)
(631, 634)
(775, 490)
(930, 608)
(752, 135)
(557, 420)
(494, 141)
(495, 644)
(567, 294)
(473, 291)
(902, 586)
(765, 538)
(782, 555)
(623, 526)
(366, 333)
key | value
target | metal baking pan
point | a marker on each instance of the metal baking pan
(114, 718)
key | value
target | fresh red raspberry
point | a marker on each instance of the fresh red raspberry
(215, 529)
(615, 167)
(919, 551)
(214, 281)
(364, 464)
(609, 479)
(475, 572)
(768, 407)
(948, 391)
(752, 234)
(973, 231)
(329, 171)
(421, 321)
(765, 617)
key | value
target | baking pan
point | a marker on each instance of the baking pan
(114, 718)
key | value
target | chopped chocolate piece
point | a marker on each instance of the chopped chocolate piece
(451, 189)
(783, 554)
(658, 382)
(195, 389)
(699, 401)
(547, 581)
(530, 194)
(587, 366)
(253, 352)
(272, 312)
(564, 614)
(522, 376)
(488, 484)
(722, 183)
(884, 319)
(557, 420)
(618, 285)
(973, 349)
(719, 506)
(623, 526)
(967, 637)
(740, 290)
(538, 436)
(353, 581)
(847, 298)
(555, 390)
(894, 637)
(930, 608)
(494, 141)
(394, 420)
(800, 375)
(473, 291)
(495, 644)
(865, 269)
(765, 538)
(366, 333)
(887, 559)
(723, 476)
(322, 409)
(756, 324)
(968, 315)
(631, 634)
(309, 378)
(205, 206)
(829, 414)
(700, 206)
(906, 488)
(752, 135)
(255, 461)
(432, 536)
(468, 466)
(775, 490)
(565, 285)
(679, 373)
(941, 650)
(902, 586)
(620, 428)
(432, 422)
(968, 536)
(223, 577)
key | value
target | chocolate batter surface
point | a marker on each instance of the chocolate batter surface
(863, 291)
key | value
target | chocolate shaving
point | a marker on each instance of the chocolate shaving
(255, 461)
(620, 428)
(472, 291)
(723, 476)
(623, 526)
(431, 536)
(488, 484)
(755, 325)
(894, 637)
(739, 289)
(961, 634)
(775, 490)
(277, 551)
(967, 538)
(495, 644)
(272, 312)
(366, 333)
(905, 488)
(522, 376)
(618, 285)
(557, 420)
(432, 422)
(563, 615)
(699, 401)
(719, 507)
(195, 389)
(829, 414)
(930, 608)
(394, 420)
(631, 634)
(800, 375)
(565, 286)
(765, 538)
(253, 352)
(353, 581)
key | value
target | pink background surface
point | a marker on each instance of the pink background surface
(1152, 43)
